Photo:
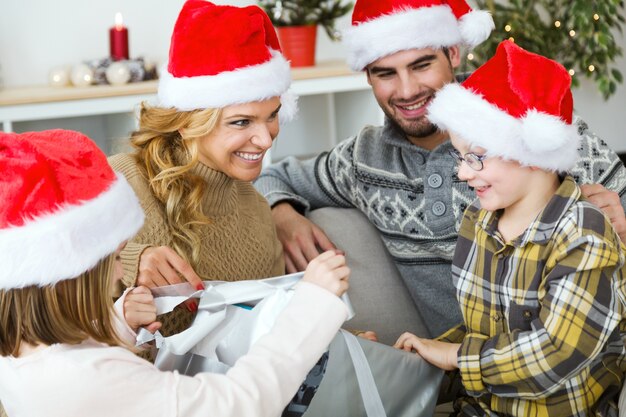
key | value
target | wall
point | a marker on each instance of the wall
(36, 35)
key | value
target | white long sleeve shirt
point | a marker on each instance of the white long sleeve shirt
(92, 379)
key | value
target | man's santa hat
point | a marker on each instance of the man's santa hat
(223, 55)
(384, 27)
(62, 208)
(517, 106)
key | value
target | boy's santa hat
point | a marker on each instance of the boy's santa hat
(62, 208)
(517, 106)
(384, 27)
(223, 55)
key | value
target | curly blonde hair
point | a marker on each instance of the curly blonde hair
(166, 148)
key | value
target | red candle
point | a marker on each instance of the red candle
(118, 39)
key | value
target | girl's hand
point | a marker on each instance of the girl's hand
(329, 271)
(140, 310)
(443, 355)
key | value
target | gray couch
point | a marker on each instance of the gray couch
(380, 299)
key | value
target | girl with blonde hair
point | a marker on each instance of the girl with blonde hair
(65, 217)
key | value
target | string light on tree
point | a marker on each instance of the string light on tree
(592, 68)
(470, 56)
(574, 33)
(571, 72)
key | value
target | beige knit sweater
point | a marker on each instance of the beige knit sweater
(239, 244)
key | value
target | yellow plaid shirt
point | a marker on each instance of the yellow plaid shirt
(544, 314)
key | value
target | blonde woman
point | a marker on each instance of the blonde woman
(65, 216)
(198, 151)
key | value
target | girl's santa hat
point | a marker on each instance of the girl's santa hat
(517, 106)
(223, 55)
(384, 27)
(62, 208)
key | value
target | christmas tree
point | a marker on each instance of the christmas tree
(577, 33)
(306, 12)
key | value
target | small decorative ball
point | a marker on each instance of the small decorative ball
(59, 77)
(118, 73)
(81, 75)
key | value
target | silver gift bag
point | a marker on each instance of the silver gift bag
(369, 379)
(356, 377)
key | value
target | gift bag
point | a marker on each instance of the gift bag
(355, 377)
(369, 379)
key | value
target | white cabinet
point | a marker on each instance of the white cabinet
(334, 104)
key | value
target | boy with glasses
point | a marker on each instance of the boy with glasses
(538, 270)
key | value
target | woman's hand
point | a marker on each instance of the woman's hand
(140, 310)
(443, 355)
(329, 271)
(160, 266)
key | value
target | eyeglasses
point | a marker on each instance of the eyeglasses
(472, 160)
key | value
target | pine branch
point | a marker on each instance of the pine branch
(307, 12)
(545, 27)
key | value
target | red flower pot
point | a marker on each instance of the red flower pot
(298, 44)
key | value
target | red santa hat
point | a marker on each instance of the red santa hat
(223, 55)
(384, 27)
(62, 208)
(517, 106)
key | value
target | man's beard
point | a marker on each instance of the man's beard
(419, 128)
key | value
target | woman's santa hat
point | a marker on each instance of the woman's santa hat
(223, 55)
(62, 208)
(384, 27)
(517, 106)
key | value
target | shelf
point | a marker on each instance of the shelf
(332, 105)
(43, 102)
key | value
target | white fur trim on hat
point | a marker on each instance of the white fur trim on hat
(426, 27)
(536, 139)
(243, 85)
(289, 107)
(64, 244)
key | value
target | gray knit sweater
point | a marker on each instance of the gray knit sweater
(415, 200)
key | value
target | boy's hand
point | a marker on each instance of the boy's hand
(140, 310)
(443, 355)
(329, 271)
(609, 202)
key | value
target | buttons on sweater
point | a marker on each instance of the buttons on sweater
(438, 208)
(435, 181)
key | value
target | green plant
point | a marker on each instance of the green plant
(307, 12)
(577, 33)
